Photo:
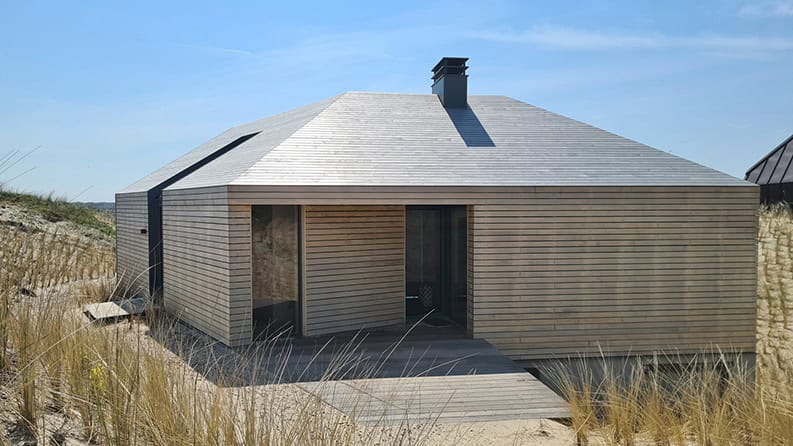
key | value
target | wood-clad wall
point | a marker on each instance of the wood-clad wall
(206, 262)
(132, 246)
(552, 270)
(622, 272)
(354, 267)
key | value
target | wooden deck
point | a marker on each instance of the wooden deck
(433, 373)
(386, 375)
(442, 399)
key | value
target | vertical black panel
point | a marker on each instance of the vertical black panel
(786, 192)
(155, 242)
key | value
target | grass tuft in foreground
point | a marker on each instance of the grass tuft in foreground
(703, 401)
(699, 401)
(116, 385)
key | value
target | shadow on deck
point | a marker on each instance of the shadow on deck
(381, 376)
(391, 352)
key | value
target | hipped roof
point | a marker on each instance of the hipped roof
(382, 139)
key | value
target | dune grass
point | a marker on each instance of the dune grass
(116, 385)
(702, 401)
(56, 210)
(112, 387)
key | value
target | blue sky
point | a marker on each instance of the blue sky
(110, 92)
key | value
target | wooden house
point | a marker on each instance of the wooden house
(543, 235)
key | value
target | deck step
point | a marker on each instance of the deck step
(114, 310)
(442, 399)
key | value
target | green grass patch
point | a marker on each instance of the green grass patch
(56, 210)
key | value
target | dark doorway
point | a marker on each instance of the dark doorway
(435, 263)
(275, 268)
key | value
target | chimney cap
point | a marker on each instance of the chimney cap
(449, 65)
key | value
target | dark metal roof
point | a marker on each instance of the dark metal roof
(383, 139)
(775, 167)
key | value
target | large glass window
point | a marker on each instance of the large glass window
(275, 267)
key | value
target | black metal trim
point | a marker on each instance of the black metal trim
(154, 204)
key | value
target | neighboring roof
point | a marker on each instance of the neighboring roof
(381, 139)
(272, 130)
(774, 168)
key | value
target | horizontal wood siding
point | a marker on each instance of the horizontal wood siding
(240, 303)
(552, 270)
(202, 262)
(354, 267)
(132, 247)
(580, 272)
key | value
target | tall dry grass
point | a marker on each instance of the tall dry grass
(33, 261)
(115, 388)
(116, 385)
(704, 400)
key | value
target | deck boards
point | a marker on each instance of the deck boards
(433, 373)
(442, 399)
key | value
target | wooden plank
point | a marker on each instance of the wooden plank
(471, 398)
(114, 310)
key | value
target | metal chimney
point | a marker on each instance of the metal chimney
(451, 82)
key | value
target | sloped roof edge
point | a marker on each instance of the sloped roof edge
(196, 156)
(760, 165)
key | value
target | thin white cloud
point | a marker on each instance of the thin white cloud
(767, 9)
(221, 50)
(585, 40)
